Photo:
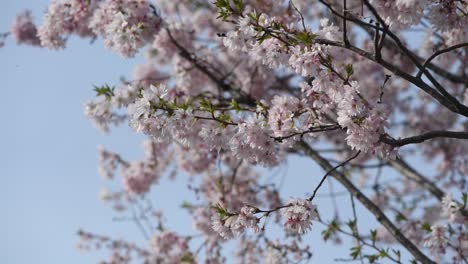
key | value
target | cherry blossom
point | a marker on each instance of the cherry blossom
(24, 30)
(228, 92)
(299, 216)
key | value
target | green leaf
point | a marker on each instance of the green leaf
(235, 105)
(352, 224)
(186, 205)
(187, 258)
(276, 25)
(373, 235)
(306, 37)
(372, 258)
(206, 105)
(221, 3)
(221, 211)
(225, 9)
(356, 251)
(332, 229)
(239, 5)
(263, 37)
(224, 15)
(426, 227)
(225, 117)
(400, 217)
(358, 120)
(255, 16)
(397, 253)
(349, 70)
(383, 254)
(104, 90)
(326, 61)
(464, 199)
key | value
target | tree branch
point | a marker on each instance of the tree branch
(385, 138)
(437, 53)
(405, 169)
(310, 130)
(379, 215)
(330, 171)
(392, 45)
(460, 107)
(345, 36)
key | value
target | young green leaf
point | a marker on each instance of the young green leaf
(356, 251)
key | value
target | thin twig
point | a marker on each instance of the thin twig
(300, 14)
(355, 227)
(330, 171)
(437, 53)
(423, 137)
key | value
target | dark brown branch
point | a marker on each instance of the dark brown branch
(437, 53)
(215, 119)
(450, 101)
(461, 109)
(456, 104)
(234, 175)
(310, 130)
(367, 27)
(423, 137)
(378, 55)
(242, 97)
(345, 33)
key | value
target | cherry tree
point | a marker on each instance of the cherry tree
(230, 87)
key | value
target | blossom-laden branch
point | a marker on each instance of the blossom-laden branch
(449, 101)
(462, 109)
(298, 213)
(267, 84)
(423, 137)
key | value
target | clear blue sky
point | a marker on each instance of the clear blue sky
(48, 159)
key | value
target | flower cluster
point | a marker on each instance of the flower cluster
(230, 225)
(436, 241)
(168, 247)
(451, 210)
(253, 143)
(24, 30)
(108, 161)
(140, 111)
(126, 26)
(64, 18)
(99, 112)
(305, 61)
(138, 177)
(299, 215)
(281, 114)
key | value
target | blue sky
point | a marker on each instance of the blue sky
(48, 148)
(48, 153)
